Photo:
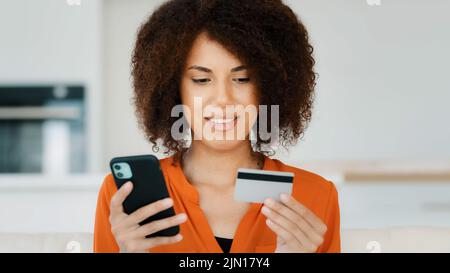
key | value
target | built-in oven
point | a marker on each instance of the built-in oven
(42, 129)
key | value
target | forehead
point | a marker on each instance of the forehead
(210, 53)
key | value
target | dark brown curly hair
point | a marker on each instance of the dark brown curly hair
(265, 35)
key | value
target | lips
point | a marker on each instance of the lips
(221, 124)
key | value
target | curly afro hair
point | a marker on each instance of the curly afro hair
(265, 35)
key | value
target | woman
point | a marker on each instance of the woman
(222, 53)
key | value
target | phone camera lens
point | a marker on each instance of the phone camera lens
(117, 167)
(119, 174)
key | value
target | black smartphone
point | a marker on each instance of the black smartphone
(149, 186)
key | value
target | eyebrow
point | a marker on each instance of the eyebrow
(204, 69)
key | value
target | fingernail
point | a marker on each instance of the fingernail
(167, 201)
(268, 201)
(182, 216)
(265, 210)
(284, 197)
(178, 237)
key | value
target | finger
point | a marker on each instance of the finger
(303, 211)
(162, 224)
(119, 197)
(284, 235)
(287, 225)
(160, 240)
(149, 210)
(295, 218)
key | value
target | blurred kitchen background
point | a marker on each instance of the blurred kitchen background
(380, 129)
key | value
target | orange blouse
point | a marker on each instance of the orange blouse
(252, 234)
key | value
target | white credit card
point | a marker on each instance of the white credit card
(255, 186)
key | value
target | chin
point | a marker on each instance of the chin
(223, 145)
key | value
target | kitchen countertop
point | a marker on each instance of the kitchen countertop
(336, 171)
(383, 170)
(33, 182)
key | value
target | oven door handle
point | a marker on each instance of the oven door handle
(39, 112)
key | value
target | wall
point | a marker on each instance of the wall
(383, 89)
(382, 92)
(121, 20)
(48, 41)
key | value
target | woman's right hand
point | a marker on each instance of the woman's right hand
(129, 235)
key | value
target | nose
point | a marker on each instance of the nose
(223, 94)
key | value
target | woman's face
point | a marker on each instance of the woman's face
(218, 95)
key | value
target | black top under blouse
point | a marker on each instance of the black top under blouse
(225, 244)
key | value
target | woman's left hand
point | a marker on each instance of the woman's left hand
(296, 227)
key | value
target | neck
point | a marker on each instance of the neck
(209, 167)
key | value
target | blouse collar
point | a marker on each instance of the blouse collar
(187, 189)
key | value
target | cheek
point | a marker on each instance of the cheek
(249, 98)
(247, 95)
(192, 101)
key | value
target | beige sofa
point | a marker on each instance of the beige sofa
(398, 239)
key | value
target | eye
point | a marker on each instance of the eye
(241, 80)
(201, 81)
